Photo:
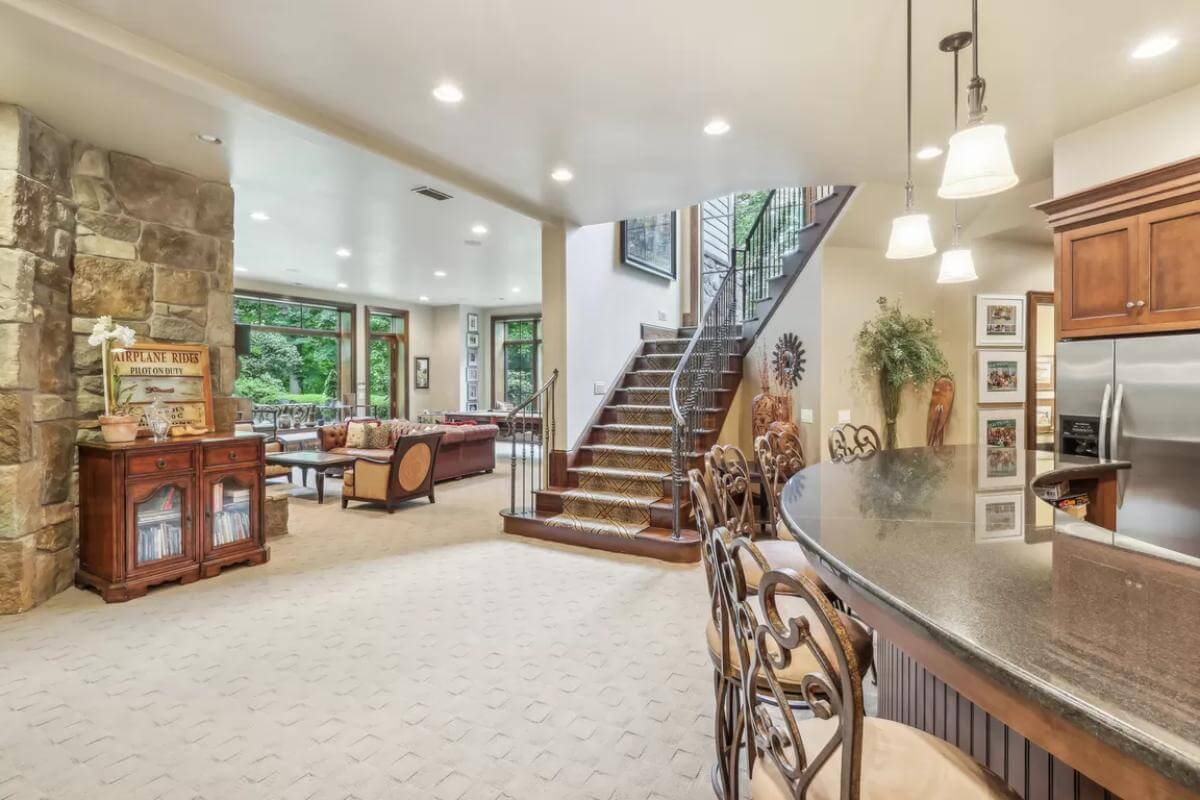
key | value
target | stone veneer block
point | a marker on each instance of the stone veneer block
(220, 319)
(96, 194)
(187, 287)
(111, 286)
(16, 433)
(18, 356)
(49, 156)
(19, 508)
(154, 193)
(112, 226)
(174, 328)
(54, 444)
(90, 161)
(52, 573)
(215, 212)
(17, 271)
(17, 559)
(162, 244)
(54, 351)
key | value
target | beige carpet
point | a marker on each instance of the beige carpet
(418, 655)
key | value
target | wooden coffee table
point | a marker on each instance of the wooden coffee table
(311, 460)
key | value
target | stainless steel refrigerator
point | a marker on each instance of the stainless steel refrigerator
(1137, 399)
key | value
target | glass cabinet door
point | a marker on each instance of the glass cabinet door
(231, 503)
(161, 520)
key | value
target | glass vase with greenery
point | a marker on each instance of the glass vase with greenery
(896, 350)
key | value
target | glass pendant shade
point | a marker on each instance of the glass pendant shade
(957, 266)
(911, 237)
(978, 164)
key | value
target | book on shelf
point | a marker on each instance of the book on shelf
(230, 526)
(158, 540)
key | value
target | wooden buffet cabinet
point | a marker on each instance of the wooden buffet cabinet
(1127, 254)
(153, 512)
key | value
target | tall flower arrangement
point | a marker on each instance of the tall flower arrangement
(104, 334)
(895, 350)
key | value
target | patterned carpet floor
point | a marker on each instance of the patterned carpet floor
(417, 655)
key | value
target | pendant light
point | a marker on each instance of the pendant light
(958, 266)
(911, 237)
(978, 163)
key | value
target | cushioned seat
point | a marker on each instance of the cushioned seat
(780, 554)
(898, 763)
(363, 452)
(803, 662)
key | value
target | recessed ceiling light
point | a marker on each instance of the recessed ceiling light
(448, 93)
(341, 285)
(259, 216)
(240, 269)
(439, 273)
(343, 252)
(562, 175)
(423, 299)
(516, 290)
(926, 153)
(1154, 46)
(208, 138)
(716, 127)
(479, 229)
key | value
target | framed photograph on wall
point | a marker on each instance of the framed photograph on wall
(472, 392)
(648, 243)
(473, 340)
(472, 406)
(1000, 468)
(472, 322)
(472, 358)
(1002, 428)
(1000, 320)
(1045, 373)
(999, 516)
(421, 372)
(1044, 416)
(1001, 376)
(472, 374)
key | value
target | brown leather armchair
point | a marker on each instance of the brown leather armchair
(406, 474)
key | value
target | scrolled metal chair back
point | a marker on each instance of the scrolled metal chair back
(733, 489)
(780, 456)
(834, 691)
(851, 442)
(706, 523)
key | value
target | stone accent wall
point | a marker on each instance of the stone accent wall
(86, 232)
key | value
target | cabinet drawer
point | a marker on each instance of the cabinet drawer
(161, 461)
(223, 455)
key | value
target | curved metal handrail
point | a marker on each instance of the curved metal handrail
(549, 382)
(531, 435)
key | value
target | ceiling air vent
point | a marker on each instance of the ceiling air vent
(472, 243)
(429, 191)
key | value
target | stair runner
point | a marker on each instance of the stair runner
(632, 458)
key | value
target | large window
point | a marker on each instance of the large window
(299, 351)
(387, 361)
(518, 357)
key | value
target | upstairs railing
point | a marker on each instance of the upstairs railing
(700, 373)
(773, 236)
(531, 427)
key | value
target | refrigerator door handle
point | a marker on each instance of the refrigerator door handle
(1114, 435)
(1102, 439)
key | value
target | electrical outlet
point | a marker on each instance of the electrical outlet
(806, 415)
(599, 387)
(843, 415)
(662, 315)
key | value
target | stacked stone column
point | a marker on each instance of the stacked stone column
(86, 232)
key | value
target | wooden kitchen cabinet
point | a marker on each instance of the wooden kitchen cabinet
(1127, 254)
(154, 512)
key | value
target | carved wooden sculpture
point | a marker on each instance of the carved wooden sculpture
(940, 405)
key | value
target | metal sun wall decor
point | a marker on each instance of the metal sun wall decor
(787, 361)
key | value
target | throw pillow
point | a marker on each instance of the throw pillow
(378, 437)
(356, 433)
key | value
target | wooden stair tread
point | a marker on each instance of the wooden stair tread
(652, 542)
(620, 472)
(608, 497)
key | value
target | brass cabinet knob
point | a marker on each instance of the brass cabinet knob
(1141, 303)
(233, 455)
(1129, 304)
(161, 463)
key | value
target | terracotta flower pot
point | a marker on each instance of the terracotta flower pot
(118, 428)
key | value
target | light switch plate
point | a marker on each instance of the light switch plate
(599, 387)
(843, 415)
(662, 315)
(806, 415)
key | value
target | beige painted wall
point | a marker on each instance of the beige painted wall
(1143, 138)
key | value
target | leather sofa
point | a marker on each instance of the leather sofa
(465, 449)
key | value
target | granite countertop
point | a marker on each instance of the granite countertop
(1098, 628)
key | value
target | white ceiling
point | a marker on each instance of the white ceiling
(320, 192)
(619, 90)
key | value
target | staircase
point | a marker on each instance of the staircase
(616, 492)
(620, 489)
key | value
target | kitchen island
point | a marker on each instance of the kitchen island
(1060, 653)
